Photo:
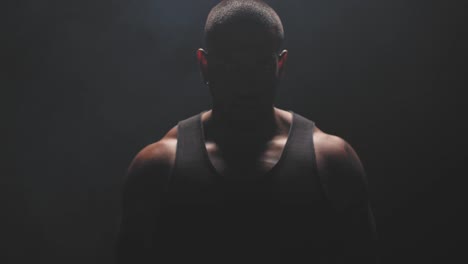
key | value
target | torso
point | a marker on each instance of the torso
(282, 208)
(283, 216)
(270, 157)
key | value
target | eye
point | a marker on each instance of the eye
(261, 66)
(224, 67)
(220, 65)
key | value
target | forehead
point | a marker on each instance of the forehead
(246, 44)
(243, 54)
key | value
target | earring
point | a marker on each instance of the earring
(207, 83)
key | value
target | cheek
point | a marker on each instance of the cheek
(221, 92)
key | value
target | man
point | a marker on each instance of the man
(245, 182)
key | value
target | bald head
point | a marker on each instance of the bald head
(243, 24)
(242, 65)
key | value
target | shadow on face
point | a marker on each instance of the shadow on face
(243, 77)
(242, 64)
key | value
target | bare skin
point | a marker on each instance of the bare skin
(337, 162)
(266, 156)
(329, 150)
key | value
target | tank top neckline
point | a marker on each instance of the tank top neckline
(263, 175)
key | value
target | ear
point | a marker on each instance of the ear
(281, 61)
(203, 63)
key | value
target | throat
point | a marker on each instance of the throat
(246, 160)
(254, 126)
(245, 153)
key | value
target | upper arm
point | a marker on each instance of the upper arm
(341, 170)
(147, 172)
(145, 179)
(345, 184)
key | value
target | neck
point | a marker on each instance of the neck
(257, 128)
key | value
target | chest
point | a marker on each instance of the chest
(242, 216)
(282, 207)
(244, 159)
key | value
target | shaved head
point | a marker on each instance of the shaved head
(242, 65)
(242, 24)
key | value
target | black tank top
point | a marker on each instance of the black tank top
(281, 217)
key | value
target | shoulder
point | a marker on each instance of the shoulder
(154, 161)
(340, 168)
(159, 153)
(331, 148)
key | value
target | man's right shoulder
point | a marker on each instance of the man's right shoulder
(156, 157)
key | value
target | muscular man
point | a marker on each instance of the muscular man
(245, 182)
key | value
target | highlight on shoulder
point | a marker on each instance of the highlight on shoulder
(327, 143)
(157, 154)
(334, 154)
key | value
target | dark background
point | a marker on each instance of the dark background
(95, 81)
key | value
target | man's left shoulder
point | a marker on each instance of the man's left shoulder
(332, 148)
(340, 167)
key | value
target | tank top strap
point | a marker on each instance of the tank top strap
(303, 148)
(189, 152)
(301, 144)
(300, 160)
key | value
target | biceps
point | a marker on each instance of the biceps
(136, 234)
(359, 224)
